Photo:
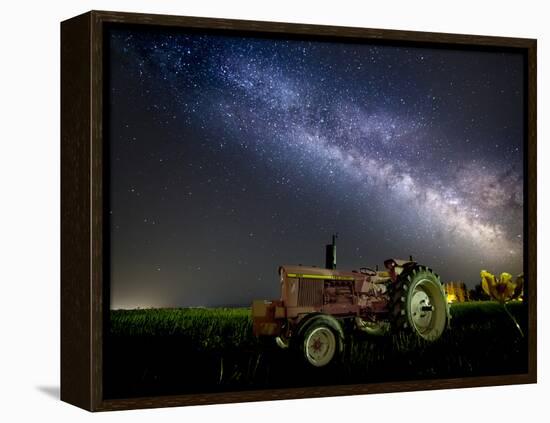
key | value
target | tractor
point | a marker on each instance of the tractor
(319, 306)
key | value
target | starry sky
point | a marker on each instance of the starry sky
(231, 155)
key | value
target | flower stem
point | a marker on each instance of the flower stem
(513, 319)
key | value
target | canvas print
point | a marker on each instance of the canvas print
(294, 212)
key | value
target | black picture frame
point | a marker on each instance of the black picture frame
(84, 177)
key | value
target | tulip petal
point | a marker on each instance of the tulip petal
(487, 282)
(518, 292)
(505, 277)
(506, 287)
(508, 293)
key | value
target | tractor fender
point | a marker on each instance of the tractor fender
(325, 319)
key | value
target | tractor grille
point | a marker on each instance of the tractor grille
(310, 292)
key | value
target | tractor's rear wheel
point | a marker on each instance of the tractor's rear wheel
(419, 303)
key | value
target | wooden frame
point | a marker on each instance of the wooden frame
(83, 306)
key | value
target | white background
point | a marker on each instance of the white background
(29, 211)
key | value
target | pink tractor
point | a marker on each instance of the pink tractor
(317, 304)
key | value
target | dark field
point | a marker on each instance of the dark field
(177, 351)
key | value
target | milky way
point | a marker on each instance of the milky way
(231, 156)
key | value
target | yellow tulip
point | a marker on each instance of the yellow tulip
(502, 289)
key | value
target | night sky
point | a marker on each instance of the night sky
(233, 155)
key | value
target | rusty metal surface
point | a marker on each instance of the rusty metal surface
(264, 320)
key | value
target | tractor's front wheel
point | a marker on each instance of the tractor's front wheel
(321, 340)
(319, 346)
(419, 303)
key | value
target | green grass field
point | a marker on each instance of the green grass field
(171, 351)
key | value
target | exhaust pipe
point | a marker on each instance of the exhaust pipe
(330, 255)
